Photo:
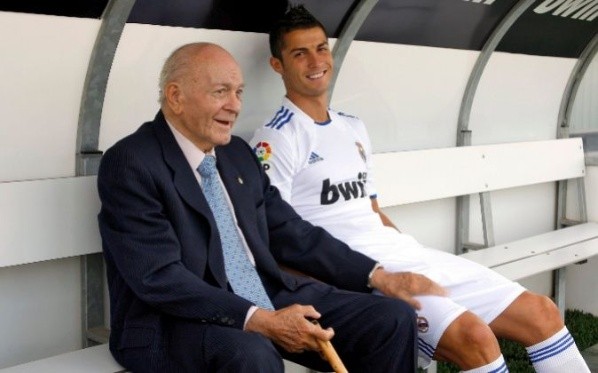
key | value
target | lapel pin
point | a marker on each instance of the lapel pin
(239, 180)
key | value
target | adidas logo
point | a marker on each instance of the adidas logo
(313, 158)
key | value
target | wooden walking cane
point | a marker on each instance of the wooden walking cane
(330, 353)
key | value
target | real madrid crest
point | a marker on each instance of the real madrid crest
(422, 324)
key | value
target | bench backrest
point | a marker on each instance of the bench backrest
(48, 219)
(56, 218)
(422, 175)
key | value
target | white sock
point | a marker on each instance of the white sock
(497, 366)
(557, 354)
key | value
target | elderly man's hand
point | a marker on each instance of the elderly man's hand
(405, 285)
(290, 327)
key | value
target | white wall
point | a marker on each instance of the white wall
(132, 92)
(582, 292)
(409, 96)
(584, 116)
(42, 70)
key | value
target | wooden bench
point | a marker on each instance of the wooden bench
(424, 175)
(56, 218)
(52, 219)
(95, 359)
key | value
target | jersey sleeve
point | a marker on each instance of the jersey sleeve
(278, 156)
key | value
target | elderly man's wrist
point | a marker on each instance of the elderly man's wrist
(376, 267)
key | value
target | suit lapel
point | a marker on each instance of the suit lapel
(183, 177)
(238, 192)
(186, 184)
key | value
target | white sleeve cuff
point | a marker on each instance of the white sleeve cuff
(377, 266)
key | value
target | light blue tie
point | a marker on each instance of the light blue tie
(241, 273)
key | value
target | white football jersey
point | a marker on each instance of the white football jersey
(322, 169)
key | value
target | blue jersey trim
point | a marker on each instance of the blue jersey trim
(346, 115)
(323, 123)
(282, 117)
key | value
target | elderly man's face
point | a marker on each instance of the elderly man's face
(210, 99)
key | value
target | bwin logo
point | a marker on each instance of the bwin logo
(348, 189)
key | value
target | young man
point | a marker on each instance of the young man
(320, 161)
(190, 247)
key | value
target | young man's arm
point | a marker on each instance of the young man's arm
(385, 219)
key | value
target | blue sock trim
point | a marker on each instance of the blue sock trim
(553, 349)
(501, 369)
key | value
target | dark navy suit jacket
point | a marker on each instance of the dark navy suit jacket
(163, 253)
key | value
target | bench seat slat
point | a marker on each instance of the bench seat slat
(95, 359)
(531, 246)
(549, 260)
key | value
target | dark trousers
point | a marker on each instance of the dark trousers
(372, 334)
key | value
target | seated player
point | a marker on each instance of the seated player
(320, 160)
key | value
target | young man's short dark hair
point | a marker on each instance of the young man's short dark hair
(296, 17)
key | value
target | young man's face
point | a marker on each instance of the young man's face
(306, 65)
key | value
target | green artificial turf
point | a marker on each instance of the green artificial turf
(583, 327)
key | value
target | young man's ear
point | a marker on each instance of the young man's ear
(276, 64)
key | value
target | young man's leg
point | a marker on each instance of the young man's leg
(535, 321)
